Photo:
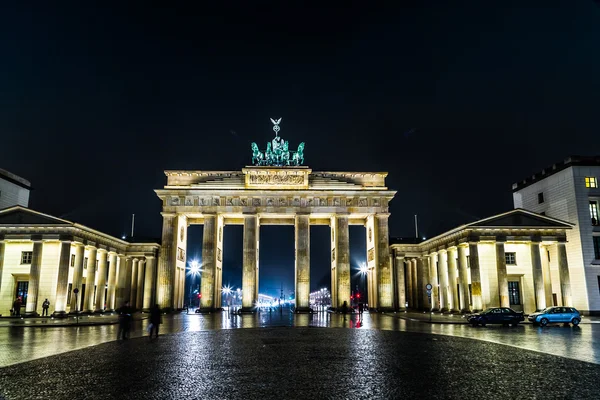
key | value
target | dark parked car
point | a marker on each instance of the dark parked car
(565, 315)
(496, 315)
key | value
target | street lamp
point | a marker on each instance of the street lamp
(364, 270)
(194, 271)
(227, 291)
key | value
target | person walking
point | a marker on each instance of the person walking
(155, 320)
(17, 307)
(345, 309)
(124, 321)
(45, 306)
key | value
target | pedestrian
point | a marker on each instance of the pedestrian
(360, 309)
(124, 321)
(345, 309)
(155, 320)
(45, 306)
(17, 307)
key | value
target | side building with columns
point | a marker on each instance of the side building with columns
(517, 259)
(45, 257)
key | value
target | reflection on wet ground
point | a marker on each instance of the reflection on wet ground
(18, 344)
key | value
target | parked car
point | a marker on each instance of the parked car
(565, 315)
(496, 315)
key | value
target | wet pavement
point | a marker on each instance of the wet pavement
(299, 362)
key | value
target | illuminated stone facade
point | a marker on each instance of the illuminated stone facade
(259, 196)
(44, 257)
(517, 259)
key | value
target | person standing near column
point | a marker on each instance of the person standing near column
(45, 306)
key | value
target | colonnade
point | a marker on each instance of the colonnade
(459, 283)
(110, 277)
(379, 277)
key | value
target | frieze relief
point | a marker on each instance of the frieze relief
(276, 179)
(371, 254)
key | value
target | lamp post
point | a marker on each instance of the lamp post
(194, 271)
(364, 270)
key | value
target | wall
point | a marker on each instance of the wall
(13, 271)
(12, 195)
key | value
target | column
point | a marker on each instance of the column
(302, 236)
(547, 275)
(250, 262)
(409, 284)
(62, 283)
(384, 270)
(475, 276)
(128, 280)
(77, 278)
(435, 290)
(423, 267)
(502, 275)
(415, 283)
(122, 292)
(342, 260)
(148, 283)
(445, 294)
(88, 302)
(140, 285)
(101, 286)
(34, 278)
(2, 250)
(563, 272)
(112, 282)
(538, 276)
(463, 276)
(400, 281)
(166, 263)
(453, 280)
(209, 261)
(133, 283)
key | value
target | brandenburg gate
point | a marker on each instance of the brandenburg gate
(275, 190)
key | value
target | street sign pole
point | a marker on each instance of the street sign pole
(428, 287)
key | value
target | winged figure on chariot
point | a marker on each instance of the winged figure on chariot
(277, 153)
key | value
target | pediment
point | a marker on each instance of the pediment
(24, 216)
(520, 218)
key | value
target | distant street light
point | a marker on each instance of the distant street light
(194, 271)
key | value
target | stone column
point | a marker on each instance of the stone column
(400, 281)
(453, 280)
(77, 278)
(62, 283)
(502, 275)
(342, 260)
(384, 270)
(2, 250)
(112, 282)
(565, 278)
(250, 262)
(415, 283)
(148, 283)
(101, 286)
(435, 290)
(423, 267)
(475, 276)
(133, 284)
(538, 276)
(166, 263)
(445, 295)
(90, 281)
(547, 275)
(34, 278)
(140, 285)
(463, 275)
(302, 235)
(122, 292)
(409, 284)
(209, 261)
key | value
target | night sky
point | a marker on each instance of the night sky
(456, 103)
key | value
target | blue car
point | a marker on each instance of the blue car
(564, 315)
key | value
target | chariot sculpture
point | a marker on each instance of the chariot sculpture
(277, 153)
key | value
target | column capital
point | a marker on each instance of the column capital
(382, 215)
(101, 250)
(168, 214)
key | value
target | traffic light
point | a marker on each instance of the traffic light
(358, 295)
(199, 295)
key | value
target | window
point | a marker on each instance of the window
(540, 198)
(96, 265)
(597, 247)
(26, 257)
(511, 258)
(69, 290)
(468, 262)
(72, 260)
(594, 212)
(85, 262)
(22, 289)
(548, 255)
(590, 182)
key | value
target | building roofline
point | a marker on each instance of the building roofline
(571, 161)
(17, 180)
